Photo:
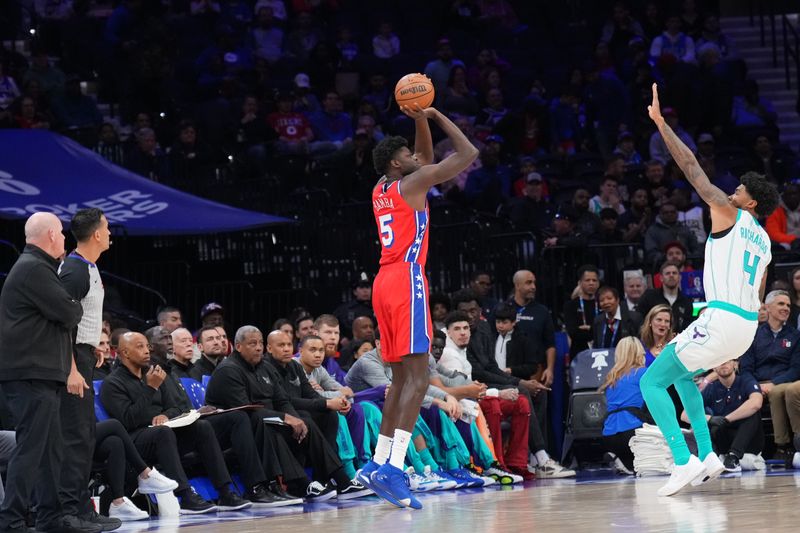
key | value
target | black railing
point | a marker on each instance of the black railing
(767, 11)
(791, 51)
(131, 301)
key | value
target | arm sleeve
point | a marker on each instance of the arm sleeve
(793, 372)
(132, 413)
(227, 389)
(328, 383)
(174, 397)
(436, 392)
(486, 375)
(280, 399)
(74, 276)
(525, 367)
(310, 399)
(374, 375)
(48, 294)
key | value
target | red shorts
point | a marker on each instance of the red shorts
(400, 302)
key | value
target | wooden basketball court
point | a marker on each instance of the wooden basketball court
(753, 501)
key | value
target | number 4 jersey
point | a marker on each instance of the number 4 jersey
(736, 262)
(403, 230)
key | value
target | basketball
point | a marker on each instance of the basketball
(414, 89)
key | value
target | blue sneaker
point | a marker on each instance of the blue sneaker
(391, 484)
(363, 475)
(457, 483)
(470, 480)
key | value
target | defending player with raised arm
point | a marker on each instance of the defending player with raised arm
(400, 290)
(754, 194)
(734, 274)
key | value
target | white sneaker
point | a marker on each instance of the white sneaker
(682, 475)
(620, 468)
(714, 468)
(502, 476)
(752, 461)
(796, 461)
(126, 511)
(551, 469)
(487, 481)
(156, 483)
(418, 483)
(441, 482)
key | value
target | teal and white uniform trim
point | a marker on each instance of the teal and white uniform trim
(735, 263)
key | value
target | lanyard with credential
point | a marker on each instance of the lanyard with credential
(583, 312)
(613, 333)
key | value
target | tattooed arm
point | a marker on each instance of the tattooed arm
(723, 213)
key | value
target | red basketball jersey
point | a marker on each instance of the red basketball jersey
(403, 230)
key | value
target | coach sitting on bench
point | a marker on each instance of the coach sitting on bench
(134, 395)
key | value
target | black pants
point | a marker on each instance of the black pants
(233, 430)
(35, 463)
(116, 448)
(618, 445)
(740, 437)
(313, 451)
(78, 438)
(328, 424)
(277, 459)
(166, 446)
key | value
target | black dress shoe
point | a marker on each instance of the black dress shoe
(230, 501)
(106, 522)
(72, 524)
(263, 497)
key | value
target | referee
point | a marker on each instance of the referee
(81, 278)
(36, 318)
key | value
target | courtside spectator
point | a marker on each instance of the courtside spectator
(669, 294)
(615, 321)
(733, 409)
(624, 402)
(773, 360)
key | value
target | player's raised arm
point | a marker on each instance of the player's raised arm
(420, 181)
(423, 142)
(712, 195)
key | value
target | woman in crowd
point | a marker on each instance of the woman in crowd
(624, 401)
(116, 449)
(656, 331)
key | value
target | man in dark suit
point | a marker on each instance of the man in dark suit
(669, 294)
(615, 322)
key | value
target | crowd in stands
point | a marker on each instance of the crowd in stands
(292, 90)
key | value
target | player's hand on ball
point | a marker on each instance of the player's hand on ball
(416, 112)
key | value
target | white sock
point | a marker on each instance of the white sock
(399, 447)
(542, 457)
(382, 449)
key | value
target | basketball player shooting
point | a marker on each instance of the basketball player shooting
(736, 257)
(400, 290)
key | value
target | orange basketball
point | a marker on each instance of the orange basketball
(414, 89)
